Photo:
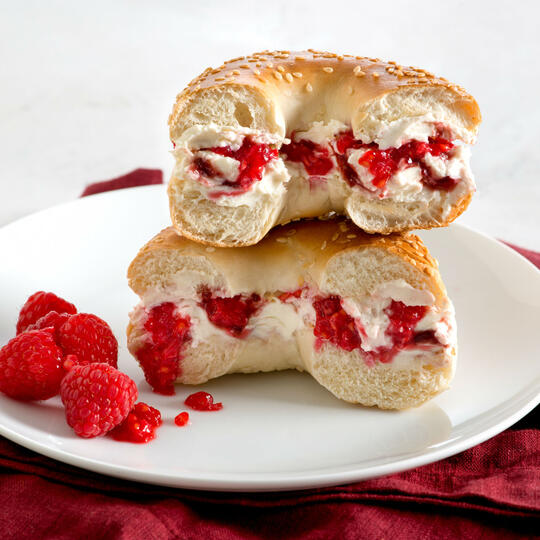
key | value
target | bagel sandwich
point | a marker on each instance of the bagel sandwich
(278, 136)
(367, 316)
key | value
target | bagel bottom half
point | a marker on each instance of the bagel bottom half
(368, 317)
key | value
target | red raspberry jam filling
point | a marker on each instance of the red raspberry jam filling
(230, 314)
(202, 401)
(316, 158)
(140, 425)
(383, 164)
(252, 158)
(336, 326)
(160, 356)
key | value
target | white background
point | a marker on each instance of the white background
(86, 87)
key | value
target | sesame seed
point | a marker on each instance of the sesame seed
(351, 236)
(210, 249)
(300, 58)
(328, 69)
(297, 74)
(277, 75)
(281, 240)
(281, 68)
(335, 237)
(350, 90)
(375, 75)
(270, 65)
(236, 72)
(288, 77)
(323, 246)
(261, 78)
(399, 73)
(252, 60)
(392, 62)
(256, 71)
(245, 66)
(229, 74)
(220, 78)
(358, 71)
(343, 226)
(309, 88)
(340, 57)
(258, 64)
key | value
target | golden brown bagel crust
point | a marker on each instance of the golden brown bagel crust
(297, 250)
(359, 80)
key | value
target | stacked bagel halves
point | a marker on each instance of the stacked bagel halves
(298, 140)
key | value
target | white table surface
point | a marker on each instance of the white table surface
(86, 87)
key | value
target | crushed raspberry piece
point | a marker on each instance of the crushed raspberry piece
(181, 419)
(38, 305)
(53, 320)
(31, 366)
(202, 401)
(89, 338)
(403, 321)
(232, 314)
(97, 398)
(334, 324)
(140, 425)
(161, 355)
(315, 158)
(252, 157)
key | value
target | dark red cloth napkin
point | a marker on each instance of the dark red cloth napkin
(138, 177)
(489, 491)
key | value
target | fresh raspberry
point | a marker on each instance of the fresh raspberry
(97, 398)
(40, 304)
(181, 419)
(31, 366)
(53, 319)
(139, 426)
(89, 338)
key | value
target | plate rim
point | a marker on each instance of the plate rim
(512, 410)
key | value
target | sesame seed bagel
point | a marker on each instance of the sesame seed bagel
(289, 275)
(276, 98)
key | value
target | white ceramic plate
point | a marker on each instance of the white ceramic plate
(277, 431)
